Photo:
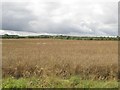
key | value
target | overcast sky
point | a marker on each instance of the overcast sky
(72, 17)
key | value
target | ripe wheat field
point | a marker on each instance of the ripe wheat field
(97, 60)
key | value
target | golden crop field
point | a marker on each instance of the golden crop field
(63, 58)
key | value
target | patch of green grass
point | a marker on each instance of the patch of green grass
(14, 83)
(55, 82)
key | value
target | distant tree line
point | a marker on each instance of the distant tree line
(6, 36)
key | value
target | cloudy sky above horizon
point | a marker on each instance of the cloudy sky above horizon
(59, 17)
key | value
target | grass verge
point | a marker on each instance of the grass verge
(55, 82)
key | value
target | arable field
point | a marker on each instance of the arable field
(59, 63)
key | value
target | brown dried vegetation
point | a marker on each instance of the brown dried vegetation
(63, 58)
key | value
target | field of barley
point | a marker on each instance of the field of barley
(68, 60)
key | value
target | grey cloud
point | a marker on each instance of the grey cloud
(15, 16)
(58, 18)
(0, 15)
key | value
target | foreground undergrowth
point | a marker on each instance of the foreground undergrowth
(56, 82)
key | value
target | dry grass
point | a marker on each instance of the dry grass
(63, 58)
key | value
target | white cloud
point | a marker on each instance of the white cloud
(62, 17)
(20, 33)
